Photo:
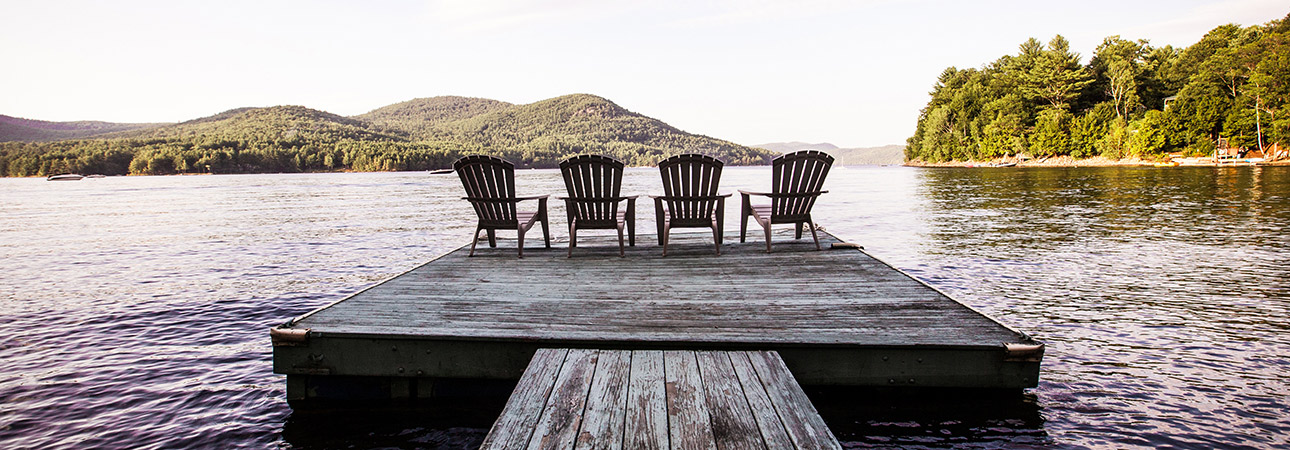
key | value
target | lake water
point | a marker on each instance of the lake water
(134, 311)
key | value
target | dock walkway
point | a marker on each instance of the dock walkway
(651, 399)
(836, 317)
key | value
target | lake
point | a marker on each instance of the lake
(134, 311)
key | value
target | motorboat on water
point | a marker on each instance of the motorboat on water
(65, 177)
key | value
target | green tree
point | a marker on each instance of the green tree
(1052, 76)
(1118, 67)
(1149, 136)
(1052, 135)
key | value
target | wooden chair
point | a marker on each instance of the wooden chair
(795, 184)
(594, 184)
(490, 189)
(690, 197)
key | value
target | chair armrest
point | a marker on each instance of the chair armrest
(533, 197)
(493, 199)
(697, 197)
(784, 195)
(597, 199)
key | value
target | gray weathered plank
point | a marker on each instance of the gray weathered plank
(803, 423)
(514, 427)
(602, 423)
(689, 424)
(645, 422)
(562, 415)
(768, 422)
(733, 424)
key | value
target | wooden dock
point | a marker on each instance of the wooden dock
(650, 399)
(837, 317)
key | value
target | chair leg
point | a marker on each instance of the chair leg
(621, 253)
(631, 221)
(813, 235)
(745, 210)
(546, 235)
(573, 237)
(492, 238)
(519, 241)
(716, 238)
(474, 239)
(799, 231)
(721, 220)
(667, 233)
(658, 222)
(767, 227)
(743, 226)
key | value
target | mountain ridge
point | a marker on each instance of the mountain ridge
(21, 129)
(881, 155)
(419, 134)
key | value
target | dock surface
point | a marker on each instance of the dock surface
(836, 316)
(650, 399)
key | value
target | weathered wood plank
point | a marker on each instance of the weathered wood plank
(645, 422)
(689, 424)
(603, 421)
(514, 428)
(768, 422)
(649, 399)
(803, 423)
(733, 424)
(563, 412)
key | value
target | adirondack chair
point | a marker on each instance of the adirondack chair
(690, 197)
(490, 189)
(594, 184)
(795, 184)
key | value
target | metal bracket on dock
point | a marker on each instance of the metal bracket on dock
(289, 337)
(1023, 352)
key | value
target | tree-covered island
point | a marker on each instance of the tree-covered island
(1130, 101)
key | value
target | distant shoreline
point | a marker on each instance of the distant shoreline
(1056, 161)
(1061, 161)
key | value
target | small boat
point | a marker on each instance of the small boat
(97, 175)
(440, 171)
(1007, 164)
(65, 177)
(1166, 164)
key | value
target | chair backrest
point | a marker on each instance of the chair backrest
(595, 184)
(800, 174)
(694, 176)
(490, 187)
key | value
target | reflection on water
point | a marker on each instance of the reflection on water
(1161, 293)
(134, 310)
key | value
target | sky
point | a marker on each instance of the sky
(852, 73)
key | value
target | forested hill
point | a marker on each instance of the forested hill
(419, 134)
(16, 129)
(1130, 100)
(418, 118)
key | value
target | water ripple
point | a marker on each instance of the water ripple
(134, 310)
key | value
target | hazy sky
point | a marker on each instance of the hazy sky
(853, 73)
